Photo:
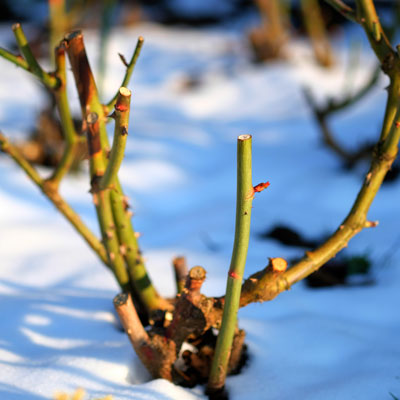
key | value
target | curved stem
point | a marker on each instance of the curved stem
(245, 194)
(56, 199)
(266, 285)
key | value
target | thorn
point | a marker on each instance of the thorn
(109, 234)
(111, 226)
(124, 131)
(112, 256)
(137, 235)
(341, 227)
(371, 224)
(260, 187)
(123, 59)
(234, 275)
(120, 107)
(129, 214)
(112, 115)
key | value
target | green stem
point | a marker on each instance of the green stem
(58, 23)
(17, 60)
(67, 124)
(129, 70)
(102, 201)
(121, 116)
(369, 20)
(51, 81)
(56, 199)
(245, 193)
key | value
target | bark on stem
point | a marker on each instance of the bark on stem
(244, 199)
(156, 352)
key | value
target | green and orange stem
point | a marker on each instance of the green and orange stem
(128, 245)
(244, 199)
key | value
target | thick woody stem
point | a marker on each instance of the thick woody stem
(56, 199)
(157, 353)
(134, 329)
(191, 309)
(245, 194)
(129, 70)
(121, 116)
(51, 81)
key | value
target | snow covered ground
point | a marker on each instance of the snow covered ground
(58, 329)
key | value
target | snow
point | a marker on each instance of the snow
(58, 328)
